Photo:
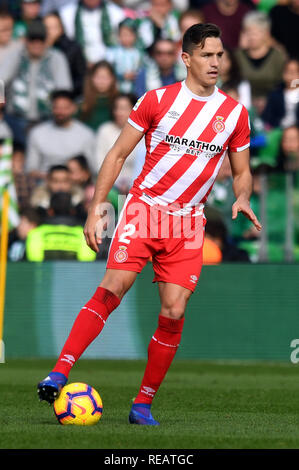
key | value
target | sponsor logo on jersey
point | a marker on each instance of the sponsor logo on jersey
(173, 114)
(218, 124)
(195, 147)
(193, 278)
(121, 254)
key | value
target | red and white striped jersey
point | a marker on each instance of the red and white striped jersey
(186, 138)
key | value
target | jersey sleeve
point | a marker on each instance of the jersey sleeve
(240, 139)
(144, 111)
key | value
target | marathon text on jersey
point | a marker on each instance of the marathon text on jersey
(193, 144)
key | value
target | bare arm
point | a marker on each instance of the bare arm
(108, 173)
(242, 186)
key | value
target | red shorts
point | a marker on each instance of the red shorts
(173, 243)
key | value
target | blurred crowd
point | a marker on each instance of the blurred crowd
(72, 71)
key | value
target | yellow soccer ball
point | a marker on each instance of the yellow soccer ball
(78, 404)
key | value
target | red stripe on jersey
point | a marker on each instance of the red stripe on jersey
(207, 136)
(166, 102)
(207, 194)
(182, 165)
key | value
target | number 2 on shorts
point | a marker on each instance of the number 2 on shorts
(129, 230)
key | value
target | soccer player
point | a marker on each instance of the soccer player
(189, 126)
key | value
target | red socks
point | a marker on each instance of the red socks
(88, 324)
(161, 351)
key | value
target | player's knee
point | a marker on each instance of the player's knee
(173, 309)
(116, 286)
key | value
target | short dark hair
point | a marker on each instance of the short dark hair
(82, 161)
(31, 214)
(61, 203)
(216, 228)
(5, 14)
(67, 94)
(131, 97)
(197, 34)
(128, 23)
(36, 31)
(57, 168)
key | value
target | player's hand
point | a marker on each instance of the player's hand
(243, 205)
(93, 229)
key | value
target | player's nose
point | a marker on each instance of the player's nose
(215, 61)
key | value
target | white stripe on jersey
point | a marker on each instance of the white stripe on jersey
(195, 129)
(139, 128)
(239, 149)
(180, 104)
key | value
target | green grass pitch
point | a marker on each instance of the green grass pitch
(200, 405)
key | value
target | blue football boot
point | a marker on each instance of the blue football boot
(49, 388)
(141, 414)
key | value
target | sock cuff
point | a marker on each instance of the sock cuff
(171, 325)
(105, 296)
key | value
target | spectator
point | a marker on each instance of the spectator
(162, 22)
(58, 180)
(99, 91)
(5, 131)
(79, 171)
(282, 108)
(57, 38)
(61, 210)
(108, 134)
(187, 19)
(24, 183)
(230, 76)
(50, 6)
(260, 63)
(30, 11)
(93, 23)
(61, 236)
(40, 70)
(29, 220)
(12, 6)
(222, 196)
(198, 3)
(161, 70)
(138, 5)
(228, 15)
(275, 207)
(10, 49)
(289, 151)
(57, 140)
(285, 26)
(216, 231)
(125, 58)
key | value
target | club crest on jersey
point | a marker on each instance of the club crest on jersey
(121, 254)
(218, 124)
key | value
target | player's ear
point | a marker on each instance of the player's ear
(186, 58)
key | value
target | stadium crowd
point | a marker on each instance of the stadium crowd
(72, 71)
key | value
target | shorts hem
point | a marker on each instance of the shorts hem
(178, 283)
(123, 268)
